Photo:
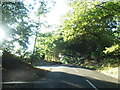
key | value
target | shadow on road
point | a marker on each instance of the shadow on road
(62, 80)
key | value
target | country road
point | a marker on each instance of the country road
(68, 76)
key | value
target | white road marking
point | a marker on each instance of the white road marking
(96, 78)
(91, 84)
(75, 69)
(17, 82)
(22, 82)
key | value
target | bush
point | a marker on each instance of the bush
(110, 62)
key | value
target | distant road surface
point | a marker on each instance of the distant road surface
(68, 76)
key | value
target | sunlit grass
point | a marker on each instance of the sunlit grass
(107, 67)
(110, 71)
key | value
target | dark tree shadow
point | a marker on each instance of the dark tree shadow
(56, 80)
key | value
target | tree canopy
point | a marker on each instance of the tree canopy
(92, 25)
(18, 25)
(88, 29)
(15, 24)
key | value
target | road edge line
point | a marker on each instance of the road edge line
(91, 84)
(75, 69)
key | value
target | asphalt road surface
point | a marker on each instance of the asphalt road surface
(68, 76)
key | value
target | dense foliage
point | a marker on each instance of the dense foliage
(13, 13)
(18, 25)
(90, 30)
(92, 27)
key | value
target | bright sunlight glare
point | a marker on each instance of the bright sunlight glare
(2, 34)
(54, 17)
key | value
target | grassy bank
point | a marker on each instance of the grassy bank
(15, 69)
(108, 67)
(110, 71)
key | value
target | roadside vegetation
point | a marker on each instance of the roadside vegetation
(89, 35)
(105, 67)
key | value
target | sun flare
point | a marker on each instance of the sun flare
(2, 34)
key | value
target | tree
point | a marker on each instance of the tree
(90, 27)
(42, 10)
(15, 24)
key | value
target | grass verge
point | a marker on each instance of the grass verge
(105, 67)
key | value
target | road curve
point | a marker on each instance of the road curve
(68, 76)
